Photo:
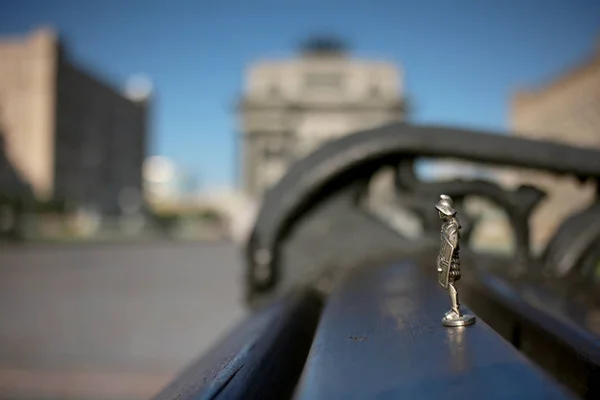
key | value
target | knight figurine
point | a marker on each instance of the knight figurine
(448, 262)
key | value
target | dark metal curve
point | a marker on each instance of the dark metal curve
(517, 204)
(366, 151)
(576, 235)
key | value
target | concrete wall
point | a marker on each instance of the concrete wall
(100, 140)
(27, 86)
(566, 110)
(68, 134)
(291, 107)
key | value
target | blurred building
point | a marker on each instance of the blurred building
(12, 184)
(68, 134)
(291, 106)
(565, 110)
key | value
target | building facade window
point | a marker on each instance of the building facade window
(323, 80)
(374, 91)
(273, 150)
(274, 91)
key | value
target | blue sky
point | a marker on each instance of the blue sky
(462, 59)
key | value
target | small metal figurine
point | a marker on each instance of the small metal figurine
(448, 262)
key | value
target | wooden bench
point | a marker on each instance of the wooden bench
(548, 327)
(380, 337)
(261, 358)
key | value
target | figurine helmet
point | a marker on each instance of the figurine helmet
(445, 205)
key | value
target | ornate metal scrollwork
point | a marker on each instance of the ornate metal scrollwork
(518, 204)
(575, 238)
(352, 160)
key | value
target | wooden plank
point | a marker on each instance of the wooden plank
(381, 337)
(262, 358)
(556, 331)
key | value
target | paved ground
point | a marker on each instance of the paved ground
(110, 321)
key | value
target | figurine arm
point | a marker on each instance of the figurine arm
(452, 233)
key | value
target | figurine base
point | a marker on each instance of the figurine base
(463, 320)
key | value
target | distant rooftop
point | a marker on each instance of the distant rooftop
(321, 45)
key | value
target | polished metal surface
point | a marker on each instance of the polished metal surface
(462, 320)
(448, 261)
